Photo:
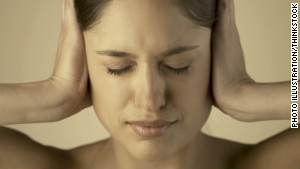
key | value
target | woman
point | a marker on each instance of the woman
(150, 71)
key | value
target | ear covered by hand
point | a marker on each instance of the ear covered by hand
(228, 65)
(70, 74)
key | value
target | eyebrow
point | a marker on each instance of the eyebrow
(171, 52)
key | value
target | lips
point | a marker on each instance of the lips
(150, 128)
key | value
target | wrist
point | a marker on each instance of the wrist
(237, 100)
(250, 101)
(62, 100)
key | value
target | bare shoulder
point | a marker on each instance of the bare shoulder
(91, 155)
(278, 152)
(20, 151)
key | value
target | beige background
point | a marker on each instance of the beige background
(28, 39)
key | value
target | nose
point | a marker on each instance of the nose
(150, 90)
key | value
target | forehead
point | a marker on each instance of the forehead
(145, 24)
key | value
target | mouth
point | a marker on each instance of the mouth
(150, 128)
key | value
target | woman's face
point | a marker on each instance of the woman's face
(148, 62)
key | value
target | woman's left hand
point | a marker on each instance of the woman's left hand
(229, 72)
(234, 92)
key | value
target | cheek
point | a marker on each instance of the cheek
(192, 95)
(108, 95)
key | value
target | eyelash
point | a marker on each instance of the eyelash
(118, 72)
(177, 71)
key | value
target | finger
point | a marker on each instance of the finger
(70, 61)
(70, 23)
(225, 14)
(228, 56)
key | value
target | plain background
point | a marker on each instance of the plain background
(29, 34)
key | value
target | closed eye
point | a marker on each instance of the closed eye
(178, 71)
(118, 72)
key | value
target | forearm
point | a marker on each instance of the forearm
(30, 102)
(260, 101)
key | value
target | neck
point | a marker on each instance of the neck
(187, 157)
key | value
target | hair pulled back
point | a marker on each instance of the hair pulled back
(201, 12)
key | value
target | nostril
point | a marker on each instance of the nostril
(150, 104)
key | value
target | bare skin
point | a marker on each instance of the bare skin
(217, 153)
(231, 87)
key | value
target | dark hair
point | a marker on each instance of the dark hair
(201, 12)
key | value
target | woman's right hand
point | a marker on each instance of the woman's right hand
(70, 75)
(64, 93)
